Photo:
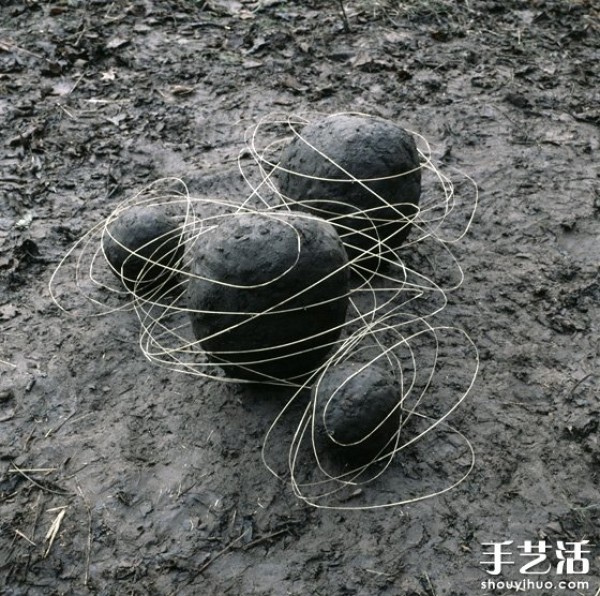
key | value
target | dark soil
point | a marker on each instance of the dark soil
(159, 473)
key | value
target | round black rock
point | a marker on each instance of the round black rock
(252, 263)
(365, 148)
(142, 246)
(350, 402)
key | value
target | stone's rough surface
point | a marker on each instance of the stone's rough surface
(137, 236)
(254, 263)
(364, 148)
(350, 404)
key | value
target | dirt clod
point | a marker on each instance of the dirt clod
(362, 173)
(255, 277)
(143, 247)
(353, 401)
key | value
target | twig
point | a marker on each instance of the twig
(206, 565)
(181, 492)
(7, 46)
(8, 363)
(580, 382)
(44, 488)
(265, 538)
(28, 439)
(379, 573)
(76, 84)
(60, 425)
(433, 592)
(33, 470)
(32, 530)
(86, 577)
(19, 533)
(54, 529)
(344, 17)
(73, 117)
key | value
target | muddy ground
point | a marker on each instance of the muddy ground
(155, 477)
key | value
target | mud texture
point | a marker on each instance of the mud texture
(273, 291)
(352, 403)
(160, 473)
(145, 249)
(378, 153)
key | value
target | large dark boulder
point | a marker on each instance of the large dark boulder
(268, 293)
(352, 405)
(144, 248)
(317, 171)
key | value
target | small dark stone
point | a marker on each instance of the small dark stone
(251, 264)
(366, 148)
(136, 237)
(351, 400)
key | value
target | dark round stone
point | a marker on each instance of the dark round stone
(350, 403)
(316, 171)
(274, 289)
(142, 245)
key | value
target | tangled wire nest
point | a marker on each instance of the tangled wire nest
(315, 296)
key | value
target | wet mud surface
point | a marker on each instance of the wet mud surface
(153, 480)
